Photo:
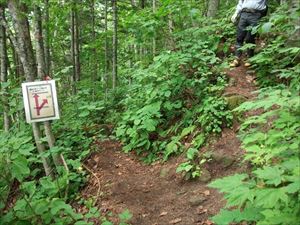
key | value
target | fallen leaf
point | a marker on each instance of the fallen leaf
(201, 210)
(249, 79)
(175, 221)
(206, 193)
(163, 214)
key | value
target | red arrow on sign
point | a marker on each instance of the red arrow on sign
(37, 106)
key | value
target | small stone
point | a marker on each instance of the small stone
(249, 79)
(180, 192)
(232, 82)
(201, 210)
(163, 213)
(175, 221)
(205, 176)
(222, 159)
(164, 172)
(197, 200)
(206, 193)
(227, 162)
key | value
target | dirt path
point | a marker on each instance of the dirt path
(155, 194)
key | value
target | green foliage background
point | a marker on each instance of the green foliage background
(163, 98)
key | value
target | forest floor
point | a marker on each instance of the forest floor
(155, 194)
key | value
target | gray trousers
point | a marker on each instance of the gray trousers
(246, 22)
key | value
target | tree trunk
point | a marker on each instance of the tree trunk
(19, 71)
(25, 51)
(213, 6)
(142, 3)
(3, 73)
(76, 44)
(40, 55)
(294, 37)
(154, 35)
(294, 5)
(58, 159)
(106, 51)
(46, 32)
(94, 51)
(75, 48)
(41, 148)
(133, 4)
(73, 77)
(23, 40)
(171, 28)
(115, 44)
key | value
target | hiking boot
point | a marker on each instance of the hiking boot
(247, 64)
(235, 63)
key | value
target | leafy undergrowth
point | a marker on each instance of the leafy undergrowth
(178, 97)
(175, 99)
(270, 193)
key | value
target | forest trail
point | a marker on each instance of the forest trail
(155, 194)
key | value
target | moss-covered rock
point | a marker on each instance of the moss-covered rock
(234, 101)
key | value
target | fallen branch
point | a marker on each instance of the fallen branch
(98, 181)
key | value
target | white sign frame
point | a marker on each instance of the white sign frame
(34, 108)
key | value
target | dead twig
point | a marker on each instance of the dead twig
(98, 181)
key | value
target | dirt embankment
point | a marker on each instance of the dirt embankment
(155, 194)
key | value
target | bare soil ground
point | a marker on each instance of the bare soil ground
(155, 194)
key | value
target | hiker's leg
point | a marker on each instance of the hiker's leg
(241, 34)
(253, 20)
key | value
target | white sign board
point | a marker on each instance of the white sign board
(40, 101)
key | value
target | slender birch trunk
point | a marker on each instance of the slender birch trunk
(76, 44)
(3, 73)
(94, 50)
(106, 50)
(73, 77)
(115, 44)
(58, 159)
(133, 3)
(46, 33)
(171, 28)
(213, 6)
(25, 51)
(293, 40)
(154, 35)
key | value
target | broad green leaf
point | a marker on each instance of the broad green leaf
(228, 184)
(191, 152)
(187, 131)
(269, 197)
(41, 207)
(19, 168)
(271, 175)
(125, 216)
(149, 125)
(20, 205)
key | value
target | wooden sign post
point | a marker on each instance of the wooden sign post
(40, 101)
